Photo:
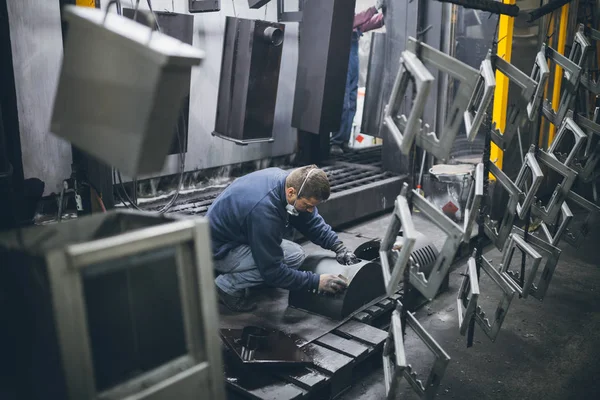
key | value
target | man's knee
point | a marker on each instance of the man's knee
(293, 254)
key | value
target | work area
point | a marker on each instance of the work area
(299, 199)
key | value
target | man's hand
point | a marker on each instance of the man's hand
(343, 255)
(331, 284)
(379, 5)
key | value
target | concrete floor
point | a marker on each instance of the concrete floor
(545, 350)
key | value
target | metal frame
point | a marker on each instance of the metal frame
(549, 212)
(473, 202)
(576, 238)
(550, 255)
(481, 99)
(540, 74)
(568, 125)
(567, 216)
(529, 164)
(586, 80)
(401, 219)
(468, 293)
(288, 16)
(467, 76)
(580, 50)
(410, 68)
(429, 286)
(499, 236)
(517, 113)
(492, 329)
(393, 371)
(517, 242)
(586, 166)
(201, 367)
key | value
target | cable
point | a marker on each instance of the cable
(154, 15)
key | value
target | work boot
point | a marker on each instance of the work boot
(235, 303)
(336, 150)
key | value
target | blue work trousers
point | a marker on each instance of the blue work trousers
(349, 110)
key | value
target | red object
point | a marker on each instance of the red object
(449, 208)
(360, 138)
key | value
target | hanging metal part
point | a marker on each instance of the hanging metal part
(428, 286)
(466, 76)
(289, 16)
(466, 301)
(405, 132)
(539, 74)
(491, 329)
(580, 50)
(524, 102)
(585, 164)
(586, 79)
(566, 215)
(566, 127)
(576, 237)
(480, 99)
(549, 212)
(499, 235)
(388, 254)
(473, 203)
(393, 348)
(531, 168)
(516, 242)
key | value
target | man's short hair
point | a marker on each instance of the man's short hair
(317, 185)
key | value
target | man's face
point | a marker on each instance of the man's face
(306, 205)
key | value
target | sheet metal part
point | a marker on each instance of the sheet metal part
(255, 4)
(540, 74)
(429, 285)
(473, 202)
(586, 80)
(530, 168)
(393, 262)
(516, 242)
(568, 126)
(491, 329)
(580, 49)
(374, 104)
(498, 235)
(550, 256)
(440, 145)
(405, 131)
(565, 217)
(393, 369)
(576, 237)
(289, 16)
(202, 6)
(466, 300)
(518, 113)
(480, 99)
(585, 164)
(365, 284)
(549, 212)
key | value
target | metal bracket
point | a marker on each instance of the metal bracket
(566, 215)
(480, 100)
(466, 301)
(401, 219)
(499, 236)
(586, 165)
(473, 202)
(568, 126)
(549, 212)
(516, 242)
(586, 80)
(288, 16)
(393, 370)
(576, 237)
(467, 76)
(430, 285)
(411, 68)
(579, 51)
(531, 166)
(539, 74)
(508, 293)
(517, 114)
(550, 255)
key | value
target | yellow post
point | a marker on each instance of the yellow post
(86, 3)
(504, 50)
(558, 73)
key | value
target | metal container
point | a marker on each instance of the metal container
(120, 90)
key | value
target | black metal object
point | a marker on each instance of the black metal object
(323, 56)
(201, 6)
(374, 103)
(365, 283)
(249, 79)
(257, 3)
(255, 345)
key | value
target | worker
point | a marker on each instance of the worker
(248, 221)
(363, 22)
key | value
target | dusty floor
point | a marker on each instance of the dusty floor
(545, 350)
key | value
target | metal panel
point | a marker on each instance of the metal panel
(322, 65)
(512, 277)
(202, 6)
(37, 57)
(466, 301)
(374, 104)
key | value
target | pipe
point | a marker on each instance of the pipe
(273, 36)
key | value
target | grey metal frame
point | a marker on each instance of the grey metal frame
(467, 76)
(481, 99)
(539, 74)
(429, 286)
(529, 164)
(517, 242)
(499, 236)
(201, 367)
(576, 238)
(549, 212)
(393, 371)
(410, 66)
(567, 216)
(585, 167)
(586, 80)
(518, 113)
(550, 255)
(288, 16)
(568, 125)
(401, 219)
(473, 202)
(469, 288)
(492, 329)
(580, 50)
